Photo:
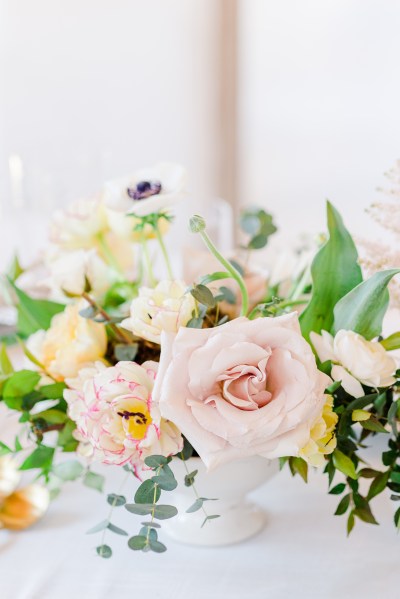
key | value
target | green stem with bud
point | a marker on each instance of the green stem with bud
(198, 225)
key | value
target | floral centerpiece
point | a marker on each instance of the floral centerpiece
(131, 366)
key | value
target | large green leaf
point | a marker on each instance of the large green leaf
(362, 309)
(335, 271)
(33, 314)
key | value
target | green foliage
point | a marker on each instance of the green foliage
(202, 294)
(94, 481)
(41, 457)
(34, 314)
(125, 351)
(363, 308)
(148, 492)
(104, 551)
(392, 342)
(335, 271)
(190, 478)
(343, 463)
(259, 225)
(299, 466)
(198, 504)
(116, 500)
(6, 367)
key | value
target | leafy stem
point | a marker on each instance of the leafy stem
(120, 334)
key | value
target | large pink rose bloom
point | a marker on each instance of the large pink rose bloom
(244, 388)
(116, 415)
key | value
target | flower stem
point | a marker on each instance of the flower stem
(147, 260)
(231, 269)
(164, 251)
(118, 332)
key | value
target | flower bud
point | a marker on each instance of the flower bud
(197, 224)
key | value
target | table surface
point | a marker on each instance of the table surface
(303, 552)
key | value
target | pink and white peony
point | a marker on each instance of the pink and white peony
(116, 414)
(70, 343)
(355, 360)
(148, 191)
(165, 308)
(244, 388)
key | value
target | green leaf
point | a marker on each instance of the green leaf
(190, 478)
(125, 352)
(34, 314)
(166, 483)
(151, 524)
(4, 449)
(369, 473)
(335, 271)
(20, 383)
(378, 485)
(228, 295)
(365, 515)
(156, 546)
(392, 342)
(373, 425)
(195, 323)
(392, 416)
(52, 416)
(94, 481)
(161, 512)
(98, 528)
(203, 295)
(148, 492)
(395, 477)
(363, 308)
(186, 452)
(343, 463)
(198, 504)
(42, 457)
(343, 505)
(6, 366)
(65, 437)
(155, 461)
(208, 518)
(70, 470)
(137, 543)
(397, 518)
(336, 490)
(117, 530)
(116, 500)
(258, 242)
(249, 223)
(53, 391)
(15, 269)
(350, 523)
(299, 466)
(104, 551)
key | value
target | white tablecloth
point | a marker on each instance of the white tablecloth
(302, 553)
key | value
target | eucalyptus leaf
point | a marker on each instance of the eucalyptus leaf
(156, 546)
(363, 308)
(98, 528)
(335, 271)
(116, 500)
(208, 518)
(126, 352)
(137, 543)
(117, 530)
(166, 483)
(68, 471)
(94, 481)
(104, 551)
(155, 461)
(148, 492)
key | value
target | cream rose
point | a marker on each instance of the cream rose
(164, 308)
(244, 388)
(147, 191)
(355, 360)
(71, 342)
(79, 225)
(116, 416)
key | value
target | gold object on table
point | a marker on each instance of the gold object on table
(22, 508)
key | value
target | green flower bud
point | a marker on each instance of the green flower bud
(197, 224)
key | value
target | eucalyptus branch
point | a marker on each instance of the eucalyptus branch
(117, 330)
(198, 225)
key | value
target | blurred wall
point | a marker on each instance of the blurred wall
(318, 106)
(93, 89)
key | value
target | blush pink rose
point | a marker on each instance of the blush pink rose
(249, 387)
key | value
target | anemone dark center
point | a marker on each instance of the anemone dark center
(144, 189)
(139, 417)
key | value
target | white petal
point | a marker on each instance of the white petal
(351, 385)
(323, 345)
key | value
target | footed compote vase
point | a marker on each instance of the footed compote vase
(229, 485)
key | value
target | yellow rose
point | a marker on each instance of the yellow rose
(322, 437)
(71, 342)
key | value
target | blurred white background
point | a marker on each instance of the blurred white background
(274, 103)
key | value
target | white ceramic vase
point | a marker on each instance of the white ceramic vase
(229, 484)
